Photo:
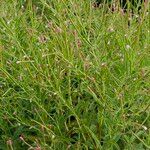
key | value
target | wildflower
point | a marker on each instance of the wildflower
(130, 18)
(9, 62)
(21, 137)
(50, 126)
(42, 128)
(1, 85)
(19, 124)
(96, 5)
(58, 30)
(53, 136)
(25, 56)
(103, 64)
(144, 127)
(9, 142)
(128, 47)
(55, 93)
(110, 29)
(120, 96)
(75, 33)
(8, 22)
(122, 59)
(87, 64)
(67, 23)
(69, 146)
(18, 62)
(136, 16)
(120, 54)
(50, 24)
(20, 77)
(42, 39)
(79, 43)
(37, 148)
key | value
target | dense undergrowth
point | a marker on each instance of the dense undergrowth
(73, 77)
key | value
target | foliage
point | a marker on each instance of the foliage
(73, 77)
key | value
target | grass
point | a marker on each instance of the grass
(73, 77)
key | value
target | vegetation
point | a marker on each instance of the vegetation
(73, 76)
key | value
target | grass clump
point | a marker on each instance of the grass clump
(73, 77)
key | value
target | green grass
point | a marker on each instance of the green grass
(73, 77)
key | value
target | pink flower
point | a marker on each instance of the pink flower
(58, 30)
(21, 138)
(9, 142)
(79, 43)
(50, 24)
(37, 148)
